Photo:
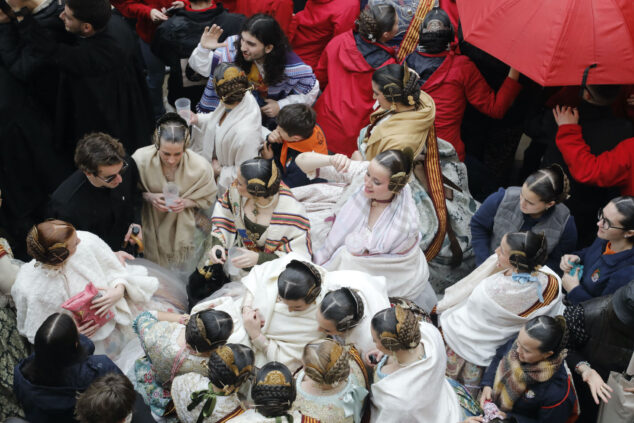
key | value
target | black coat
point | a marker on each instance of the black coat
(101, 84)
(106, 212)
(176, 38)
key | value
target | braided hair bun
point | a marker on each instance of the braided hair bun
(375, 20)
(208, 330)
(326, 362)
(274, 390)
(300, 280)
(528, 250)
(399, 164)
(48, 242)
(398, 84)
(230, 366)
(230, 82)
(550, 184)
(397, 328)
(262, 177)
(344, 306)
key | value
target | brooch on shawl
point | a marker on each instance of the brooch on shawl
(524, 278)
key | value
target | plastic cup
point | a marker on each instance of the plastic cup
(170, 193)
(183, 108)
(233, 253)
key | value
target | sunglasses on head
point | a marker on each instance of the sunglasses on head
(110, 178)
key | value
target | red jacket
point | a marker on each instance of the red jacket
(457, 81)
(140, 10)
(608, 169)
(281, 10)
(321, 20)
(345, 105)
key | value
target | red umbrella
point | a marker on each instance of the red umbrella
(554, 41)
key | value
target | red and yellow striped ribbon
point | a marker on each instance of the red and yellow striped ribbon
(436, 192)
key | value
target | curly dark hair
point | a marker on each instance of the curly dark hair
(208, 330)
(274, 390)
(267, 31)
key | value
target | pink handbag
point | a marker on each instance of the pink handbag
(80, 305)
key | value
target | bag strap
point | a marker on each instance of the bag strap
(410, 40)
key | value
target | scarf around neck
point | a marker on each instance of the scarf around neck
(513, 377)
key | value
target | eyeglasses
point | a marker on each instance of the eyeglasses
(605, 223)
(108, 179)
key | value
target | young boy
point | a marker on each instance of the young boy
(296, 132)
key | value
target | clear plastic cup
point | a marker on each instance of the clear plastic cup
(233, 253)
(170, 193)
(183, 108)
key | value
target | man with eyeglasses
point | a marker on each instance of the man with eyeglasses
(101, 196)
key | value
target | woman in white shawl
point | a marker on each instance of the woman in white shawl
(409, 381)
(232, 133)
(280, 306)
(170, 220)
(376, 230)
(65, 262)
(489, 307)
(345, 312)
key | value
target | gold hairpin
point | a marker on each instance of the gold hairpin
(274, 378)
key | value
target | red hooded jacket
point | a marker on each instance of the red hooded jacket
(346, 102)
(321, 20)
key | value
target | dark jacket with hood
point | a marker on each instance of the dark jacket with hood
(56, 404)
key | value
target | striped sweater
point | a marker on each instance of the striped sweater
(299, 78)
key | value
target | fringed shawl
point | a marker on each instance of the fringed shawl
(169, 236)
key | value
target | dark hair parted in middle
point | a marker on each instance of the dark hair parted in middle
(56, 346)
(344, 307)
(375, 20)
(528, 250)
(299, 281)
(398, 84)
(273, 390)
(208, 329)
(399, 163)
(397, 328)
(230, 366)
(297, 119)
(550, 184)
(551, 332)
(267, 31)
(262, 177)
(172, 128)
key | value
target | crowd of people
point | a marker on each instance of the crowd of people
(320, 236)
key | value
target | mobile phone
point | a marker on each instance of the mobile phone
(171, 10)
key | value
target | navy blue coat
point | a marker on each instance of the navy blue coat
(546, 402)
(602, 274)
(56, 404)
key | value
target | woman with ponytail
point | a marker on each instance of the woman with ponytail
(213, 397)
(345, 73)
(331, 386)
(376, 228)
(273, 392)
(231, 134)
(62, 365)
(490, 306)
(527, 378)
(175, 344)
(409, 379)
(538, 206)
